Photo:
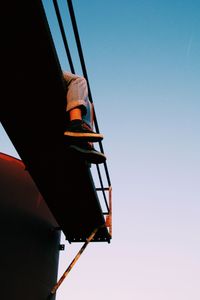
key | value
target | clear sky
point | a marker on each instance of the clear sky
(143, 63)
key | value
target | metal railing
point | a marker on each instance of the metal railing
(102, 188)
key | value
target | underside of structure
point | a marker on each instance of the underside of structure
(33, 115)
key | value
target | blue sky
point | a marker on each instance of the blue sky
(143, 65)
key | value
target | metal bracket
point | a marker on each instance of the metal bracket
(61, 247)
(54, 289)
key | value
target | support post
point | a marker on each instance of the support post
(54, 289)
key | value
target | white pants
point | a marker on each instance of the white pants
(77, 96)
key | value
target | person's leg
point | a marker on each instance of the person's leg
(75, 114)
(88, 117)
(77, 93)
(80, 111)
(76, 96)
(78, 106)
(87, 150)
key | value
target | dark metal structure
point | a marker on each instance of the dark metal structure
(33, 115)
(50, 188)
(29, 239)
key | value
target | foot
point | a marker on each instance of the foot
(80, 131)
(87, 152)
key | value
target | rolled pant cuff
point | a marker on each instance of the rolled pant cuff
(77, 104)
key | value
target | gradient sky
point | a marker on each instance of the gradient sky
(143, 63)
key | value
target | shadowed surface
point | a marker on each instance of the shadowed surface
(33, 115)
(29, 250)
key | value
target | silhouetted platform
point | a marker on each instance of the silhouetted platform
(33, 115)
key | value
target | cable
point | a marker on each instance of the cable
(64, 36)
(80, 52)
(78, 42)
